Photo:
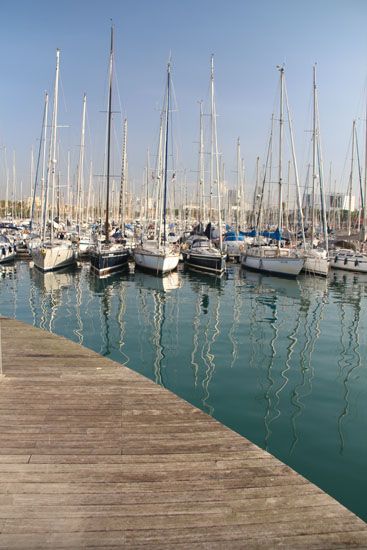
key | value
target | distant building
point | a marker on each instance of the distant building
(337, 201)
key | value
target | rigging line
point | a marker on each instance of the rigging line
(89, 133)
(346, 160)
(359, 171)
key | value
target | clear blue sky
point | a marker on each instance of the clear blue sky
(248, 39)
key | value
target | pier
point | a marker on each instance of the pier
(93, 454)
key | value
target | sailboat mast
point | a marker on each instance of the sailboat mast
(295, 167)
(109, 118)
(314, 175)
(123, 179)
(201, 169)
(211, 136)
(280, 198)
(53, 159)
(351, 181)
(215, 145)
(239, 190)
(166, 155)
(364, 231)
(79, 193)
(51, 168)
(41, 144)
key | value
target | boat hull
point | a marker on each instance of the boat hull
(347, 261)
(50, 258)
(155, 261)
(104, 262)
(316, 265)
(234, 248)
(7, 257)
(285, 266)
(205, 262)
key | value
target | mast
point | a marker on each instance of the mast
(212, 119)
(41, 144)
(215, 144)
(109, 117)
(364, 227)
(201, 168)
(314, 175)
(166, 154)
(79, 217)
(256, 191)
(88, 215)
(280, 213)
(43, 175)
(13, 208)
(147, 189)
(123, 179)
(321, 171)
(295, 167)
(7, 184)
(69, 214)
(31, 175)
(52, 158)
(239, 189)
(351, 182)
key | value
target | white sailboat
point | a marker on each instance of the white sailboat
(347, 259)
(53, 253)
(316, 259)
(159, 256)
(234, 241)
(273, 258)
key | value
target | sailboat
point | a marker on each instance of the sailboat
(107, 257)
(316, 259)
(202, 254)
(344, 258)
(274, 258)
(234, 240)
(159, 256)
(52, 253)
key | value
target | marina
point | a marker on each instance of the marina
(95, 455)
(183, 275)
(279, 361)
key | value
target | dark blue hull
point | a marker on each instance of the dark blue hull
(104, 263)
(209, 264)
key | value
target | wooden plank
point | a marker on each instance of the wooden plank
(93, 454)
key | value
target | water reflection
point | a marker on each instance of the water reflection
(349, 290)
(171, 281)
(109, 293)
(310, 316)
(158, 319)
(49, 289)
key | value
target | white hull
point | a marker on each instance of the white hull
(52, 257)
(85, 247)
(156, 260)
(316, 263)
(348, 260)
(6, 255)
(234, 248)
(270, 260)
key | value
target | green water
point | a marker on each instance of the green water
(282, 362)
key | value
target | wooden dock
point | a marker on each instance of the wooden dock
(93, 455)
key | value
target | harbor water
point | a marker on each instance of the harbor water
(282, 362)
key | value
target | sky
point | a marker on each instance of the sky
(248, 40)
